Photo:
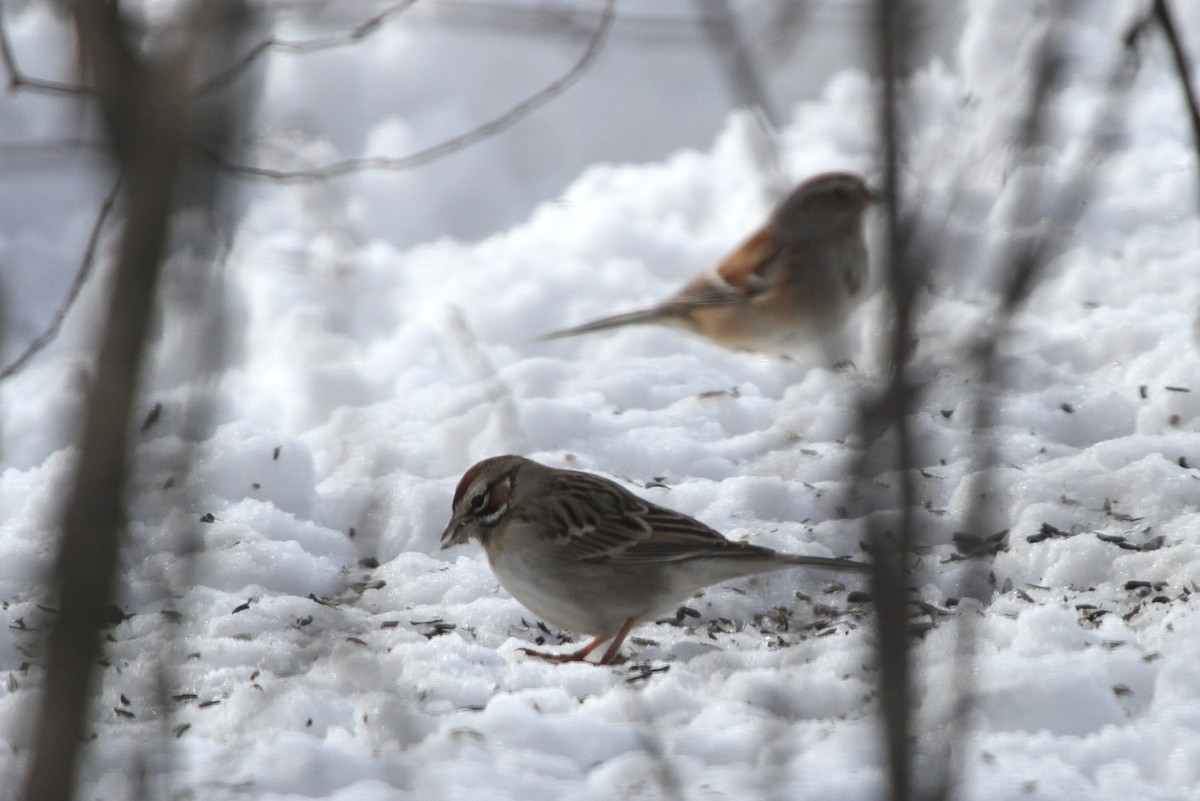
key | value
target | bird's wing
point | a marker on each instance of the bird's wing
(676, 537)
(743, 276)
(593, 519)
(740, 278)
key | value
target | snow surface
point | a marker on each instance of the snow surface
(314, 640)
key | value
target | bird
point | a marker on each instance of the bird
(587, 555)
(793, 281)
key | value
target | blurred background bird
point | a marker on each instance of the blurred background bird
(790, 283)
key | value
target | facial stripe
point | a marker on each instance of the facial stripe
(491, 503)
(468, 478)
(492, 515)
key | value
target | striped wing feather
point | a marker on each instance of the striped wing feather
(597, 520)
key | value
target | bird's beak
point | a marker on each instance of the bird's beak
(875, 195)
(455, 533)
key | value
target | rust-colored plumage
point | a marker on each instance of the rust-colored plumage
(792, 281)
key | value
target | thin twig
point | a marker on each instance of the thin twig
(1027, 259)
(1026, 264)
(946, 775)
(81, 275)
(356, 34)
(502, 122)
(745, 79)
(452, 145)
(18, 80)
(499, 394)
(1182, 68)
(749, 91)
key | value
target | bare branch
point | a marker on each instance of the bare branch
(500, 394)
(891, 550)
(18, 80)
(226, 77)
(452, 145)
(1027, 258)
(357, 34)
(749, 90)
(81, 276)
(745, 79)
(1025, 263)
(1182, 68)
(946, 773)
(143, 103)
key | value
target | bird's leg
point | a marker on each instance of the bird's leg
(582, 654)
(616, 643)
(575, 656)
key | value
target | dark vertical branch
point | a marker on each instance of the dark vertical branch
(1182, 67)
(1023, 265)
(745, 80)
(141, 100)
(748, 90)
(195, 300)
(1022, 269)
(1027, 254)
(890, 550)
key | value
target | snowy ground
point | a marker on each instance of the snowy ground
(320, 645)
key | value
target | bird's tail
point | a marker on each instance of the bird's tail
(653, 314)
(828, 563)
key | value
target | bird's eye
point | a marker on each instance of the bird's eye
(479, 502)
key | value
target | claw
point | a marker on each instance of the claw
(582, 654)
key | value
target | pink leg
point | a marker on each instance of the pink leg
(616, 643)
(574, 656)
(582, 654)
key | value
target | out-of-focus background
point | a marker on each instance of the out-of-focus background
(337, 340)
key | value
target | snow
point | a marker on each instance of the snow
(283, 574)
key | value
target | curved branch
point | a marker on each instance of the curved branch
(460, 142)
(19, 80)
(356, 34)
(488, 129)
(81, 276)
(1180, 58)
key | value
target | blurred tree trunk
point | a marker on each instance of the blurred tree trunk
(142, 97)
